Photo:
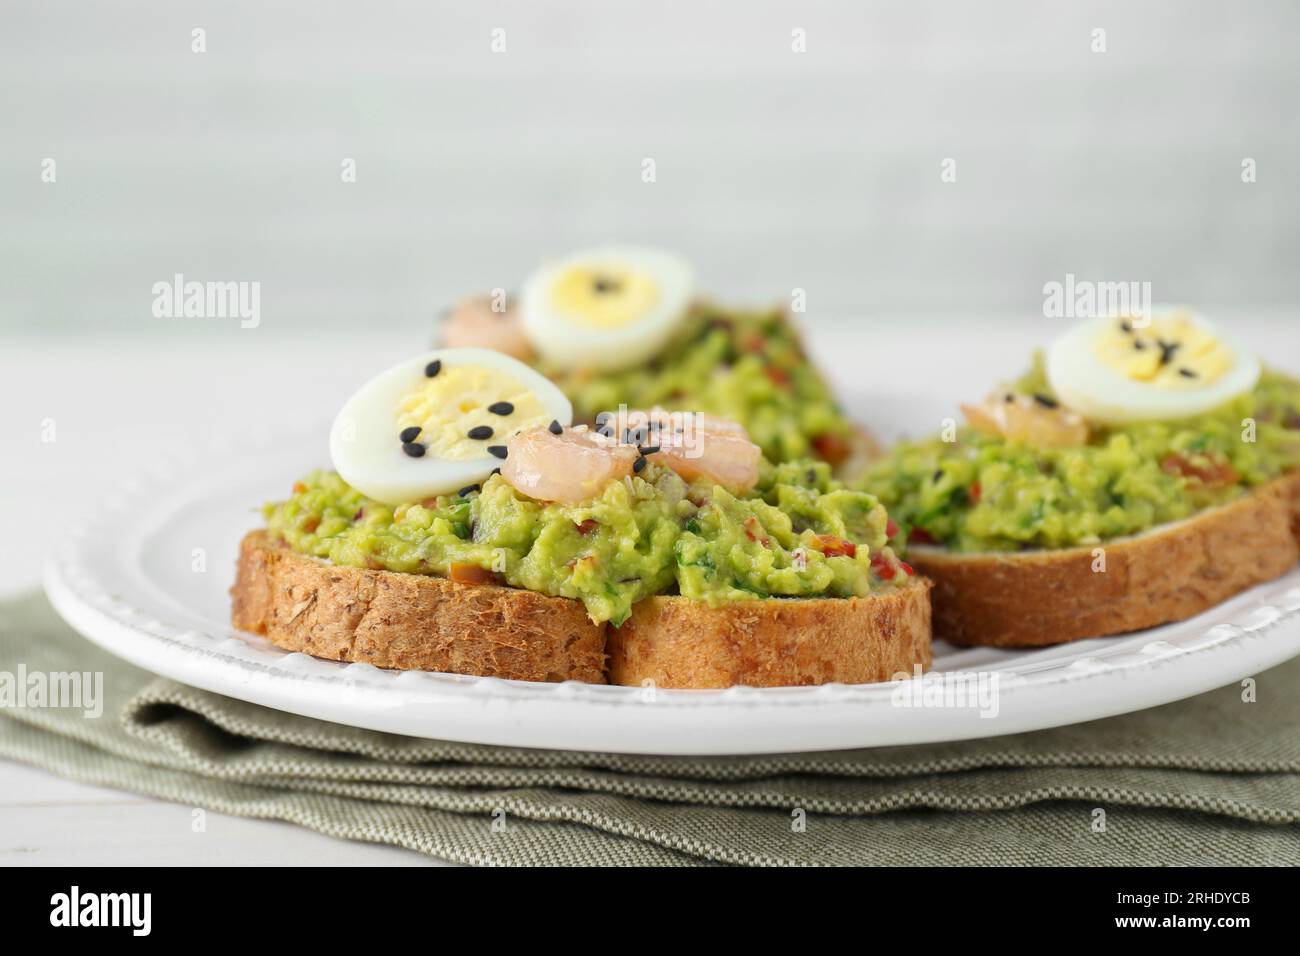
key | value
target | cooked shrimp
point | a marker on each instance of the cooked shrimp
(699, 446)
(571, 467)
(1036, 421)
(471, 323)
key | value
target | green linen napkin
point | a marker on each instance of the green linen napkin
(1212, 780)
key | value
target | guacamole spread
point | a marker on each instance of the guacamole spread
(798, 533)
(984, 493)
(748, 367)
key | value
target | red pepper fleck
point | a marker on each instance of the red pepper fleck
(299, 487)
(975, 492)
(778, 376)
(887, 570)
(1214, 474)
(587, 527)
(891, 528)
(311, 524)
(920, 536)
(751, 523)
(831, 448)
(361, 513)
(834, 547)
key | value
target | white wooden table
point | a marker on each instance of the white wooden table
(48, 821)
(116, 401)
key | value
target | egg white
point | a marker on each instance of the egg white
(365, 449)
(569, 343)
(1087, 385)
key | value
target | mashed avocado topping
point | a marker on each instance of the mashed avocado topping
(801, 538)
(745, 366)
(797, 534)
(984, 493)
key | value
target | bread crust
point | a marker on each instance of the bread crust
(411, 621)
(678, 642)
(1171, 573)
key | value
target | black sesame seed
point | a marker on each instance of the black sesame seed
(1139, 344)
(605, 284)
(1167, 350)
(1045, 400)
(480, 432)
(1008, 397)
(498, 450)
(410, 434)
(466, 490)
(494, 471)
(1127, 326)
(647, 450)
(501, 408)
(937, 476)
(555, 427)
(433, 368)
(414, 449)
(1187, 373)
(639, 465)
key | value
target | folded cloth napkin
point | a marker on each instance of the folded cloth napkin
(1214, 779)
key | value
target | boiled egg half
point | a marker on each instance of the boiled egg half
(439, 422)
(606, 308)
(1130, 369)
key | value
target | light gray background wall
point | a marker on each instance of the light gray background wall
(775, 169)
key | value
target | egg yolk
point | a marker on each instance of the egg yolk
(1171, 352)
(603, 297)
(459, 401)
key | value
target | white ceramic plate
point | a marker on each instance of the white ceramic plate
(148, 580)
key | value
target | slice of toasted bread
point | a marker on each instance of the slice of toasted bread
(1170, 573)
(418, 622)
(412, 621)
(677, 642)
